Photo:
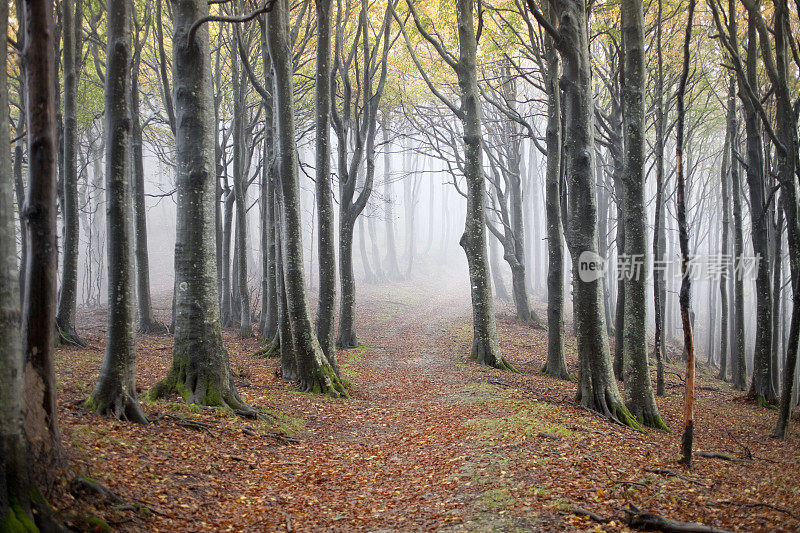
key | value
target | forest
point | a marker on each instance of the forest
(399, 265)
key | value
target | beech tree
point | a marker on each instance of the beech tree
(638, 389)
(314, 371)
(115, 392)
(67, 295)
(485, 346)
(686, 283)
(39, 212)
(597, 389)
(200, 371)
(20, 502)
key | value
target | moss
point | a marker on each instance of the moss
(97, 524)
(655, 422)
(212, 396)
(17, 521)
(325, 381)
(93, 404)
(621, 413)
(497, 499)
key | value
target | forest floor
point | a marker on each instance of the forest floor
(428, 440)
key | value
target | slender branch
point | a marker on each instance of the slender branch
(266, 8)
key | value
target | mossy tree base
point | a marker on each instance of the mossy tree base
(152, 327)
(491, 358)
(200, 386)
(117, 403)
(558, 372)
(649, 419)
(67, 336)
(606, 404)
(323, 380)
(26, 513)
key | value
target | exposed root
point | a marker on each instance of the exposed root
(120, 405)
(324, 381)
(271, 350)
(652, 522)
(649, 419)
(152, 327)
(558, 373)
(621, 414)
(201, 390)
(67, 336)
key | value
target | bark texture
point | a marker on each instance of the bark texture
(638, 389)
(485, 346)
(327, 254)
(39, 300)
(556, 364)
(115, 391)
(200, 369)
(597, 388)
(315, 373)
(67, 295)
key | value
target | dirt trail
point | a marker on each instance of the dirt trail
(427, 441)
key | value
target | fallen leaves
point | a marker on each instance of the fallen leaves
(427, 441)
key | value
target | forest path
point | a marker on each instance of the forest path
(427, 441)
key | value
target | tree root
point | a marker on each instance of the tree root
(67, 336)
(651, 420)
(653, 522)
(153, 327)
(120, 405)
(621, 415)
(637, 519)
(324, 380)
(719, 455)
(560, 373)
(269, 351)
(204, 390)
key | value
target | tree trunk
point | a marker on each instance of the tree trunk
(391, 264)
(39, 301)
(787, 171)
(761, 384)
(18, 495)
(659, 230)
(240, 189)
(683, 232)
(556, 364)
(200, 370)
(727, 162)
(369, 275)
(115, 391)
(326, 308)
(346, 337)
(638, 389)
(500, 291)
(269, 308)
(316, 374)
(287, 351)
(227, 234)
(410, 186)
(147, 321)
(67, 295)
(738, 363)
(619, 311)
(485, 346)
(597, 389)
(777, 281)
